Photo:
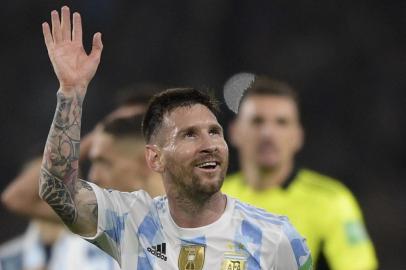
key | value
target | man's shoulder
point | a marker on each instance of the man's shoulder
(122, 197)
(276, 227)
(321, 184)
(261, 217)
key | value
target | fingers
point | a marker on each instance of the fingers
(97, 46)
(47, 35)
(77, 28)
(65, 24)
(61, 28)
(56, 27)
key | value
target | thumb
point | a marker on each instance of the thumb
(97, 46)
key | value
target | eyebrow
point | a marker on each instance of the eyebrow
(218, 126)
(196, 127)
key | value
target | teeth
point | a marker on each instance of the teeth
(211, 163)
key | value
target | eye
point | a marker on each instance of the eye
(257, 120)
(282, 121)
(215, 131)
(190, 134)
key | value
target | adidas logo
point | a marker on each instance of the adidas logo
(158, 251)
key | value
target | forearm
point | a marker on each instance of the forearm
(59, 170)
(38, 210)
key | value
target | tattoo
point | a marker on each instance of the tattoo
(56, 194)
(63, 144)
(92, 204)
(85, 185)
(59, 174)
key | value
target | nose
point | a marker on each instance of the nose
(267, 130)
(208, 144)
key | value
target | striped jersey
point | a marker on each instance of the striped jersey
(139, 233)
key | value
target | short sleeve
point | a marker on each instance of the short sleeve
(292, 252)
(347, 244)
(114, 214)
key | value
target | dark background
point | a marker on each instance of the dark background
(346, 58)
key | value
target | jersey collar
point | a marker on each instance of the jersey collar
(291, 177)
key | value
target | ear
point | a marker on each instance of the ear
(233, 132)
(153, 158)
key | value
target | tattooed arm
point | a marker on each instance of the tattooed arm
(71, 198)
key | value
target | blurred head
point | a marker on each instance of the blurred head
(133, 99)
(117, 155)
(185, 142)
(267, 130)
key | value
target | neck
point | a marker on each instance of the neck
(150, 183)
(153, 185)
(188, 212)
(260, 178)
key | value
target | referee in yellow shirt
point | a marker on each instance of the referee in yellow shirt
(267, 134)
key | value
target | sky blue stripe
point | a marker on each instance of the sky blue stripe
(259, 211)
(296, 241)
(258, 216)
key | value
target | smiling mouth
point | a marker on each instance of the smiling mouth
(208, 165)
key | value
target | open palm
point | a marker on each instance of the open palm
(72, 65)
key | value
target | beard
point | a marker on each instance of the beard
(191, 185)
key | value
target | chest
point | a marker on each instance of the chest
(227, 250)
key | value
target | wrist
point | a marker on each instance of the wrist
(74, 94)
(72, 90)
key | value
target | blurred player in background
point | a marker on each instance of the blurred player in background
(267, 133)
(45, 245)
(118, 160)
(131, 101)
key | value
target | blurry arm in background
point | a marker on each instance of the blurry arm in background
(21, 195)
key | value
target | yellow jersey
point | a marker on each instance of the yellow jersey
(323, 211)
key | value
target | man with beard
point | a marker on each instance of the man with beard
(194, 226)
(267, 133)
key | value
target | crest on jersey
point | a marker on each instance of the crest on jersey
(191, 257)
(234, 261)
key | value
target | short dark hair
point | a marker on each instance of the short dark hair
(126, 127)
(169, 100)
(264, 85)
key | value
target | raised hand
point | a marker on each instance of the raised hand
(72, 65)
(71, 198)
